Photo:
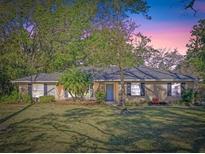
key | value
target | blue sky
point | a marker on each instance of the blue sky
(171, 24)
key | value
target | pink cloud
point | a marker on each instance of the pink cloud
(169, 36)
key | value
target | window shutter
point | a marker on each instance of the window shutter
(169, 89)
(45, 89)
(183, 87)
(30, 89)
(142, 90)
(129, 89)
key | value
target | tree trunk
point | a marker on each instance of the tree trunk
(73, 97)
(122, 92)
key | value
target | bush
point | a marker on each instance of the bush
(25, 98)
(46, 99)
(187, 95)
(201, 93)
(100, 97)
(14, 97)
(76, 82)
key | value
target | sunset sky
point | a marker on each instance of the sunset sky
(171, 24)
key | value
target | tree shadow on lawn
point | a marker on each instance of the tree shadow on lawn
(144, 130)
(80, 113)
(148, 133)
(26, 129)
(14, 114)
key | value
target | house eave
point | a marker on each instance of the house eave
(34, 81)
(147, 80)
(118, 80)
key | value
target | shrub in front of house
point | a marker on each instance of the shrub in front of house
(25, 98)
(46, 99)
(100, 97)
(76, 82)
(14, 97)
(187, 96)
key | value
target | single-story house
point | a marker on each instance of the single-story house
(141, 84)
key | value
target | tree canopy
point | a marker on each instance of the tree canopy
(195, 58)
(75, 82)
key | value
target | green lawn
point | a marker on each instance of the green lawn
(77, 128)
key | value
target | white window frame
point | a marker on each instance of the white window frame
(51, 90)
(135, 89)
(176, 89)
(37, 90)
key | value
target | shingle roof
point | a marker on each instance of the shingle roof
(141, 73)
(41, 77)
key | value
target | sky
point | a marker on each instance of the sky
(171, 24)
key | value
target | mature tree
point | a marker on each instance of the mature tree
(165, 59)
(110, 41)
(76, 82)
(50, 35)
(157, 58)
(195, 58)
(41, 36)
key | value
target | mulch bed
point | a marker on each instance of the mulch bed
(160, 103)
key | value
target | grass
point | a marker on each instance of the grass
(98, 128)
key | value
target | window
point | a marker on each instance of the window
(176, 89)
(37, 90)
(51, 91)
(135, 89)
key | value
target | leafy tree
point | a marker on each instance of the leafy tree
(109, 47)
(37, 34)
(75, 82)
(157, 58)
(195, 58)
(109, 42)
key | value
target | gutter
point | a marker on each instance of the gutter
(15, 81)
(118, 80)
(166, 80)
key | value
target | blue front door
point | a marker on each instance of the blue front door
(109, 92)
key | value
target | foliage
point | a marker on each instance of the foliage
(187, 95)
(163, 59)
(100, 96)
(43, 36)
(5, 86)
(200, 95)
(15, 97)
(76, 82)
(25, 98)
(46, 99)
(195, 58)
(109, 46)
(111, 42)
